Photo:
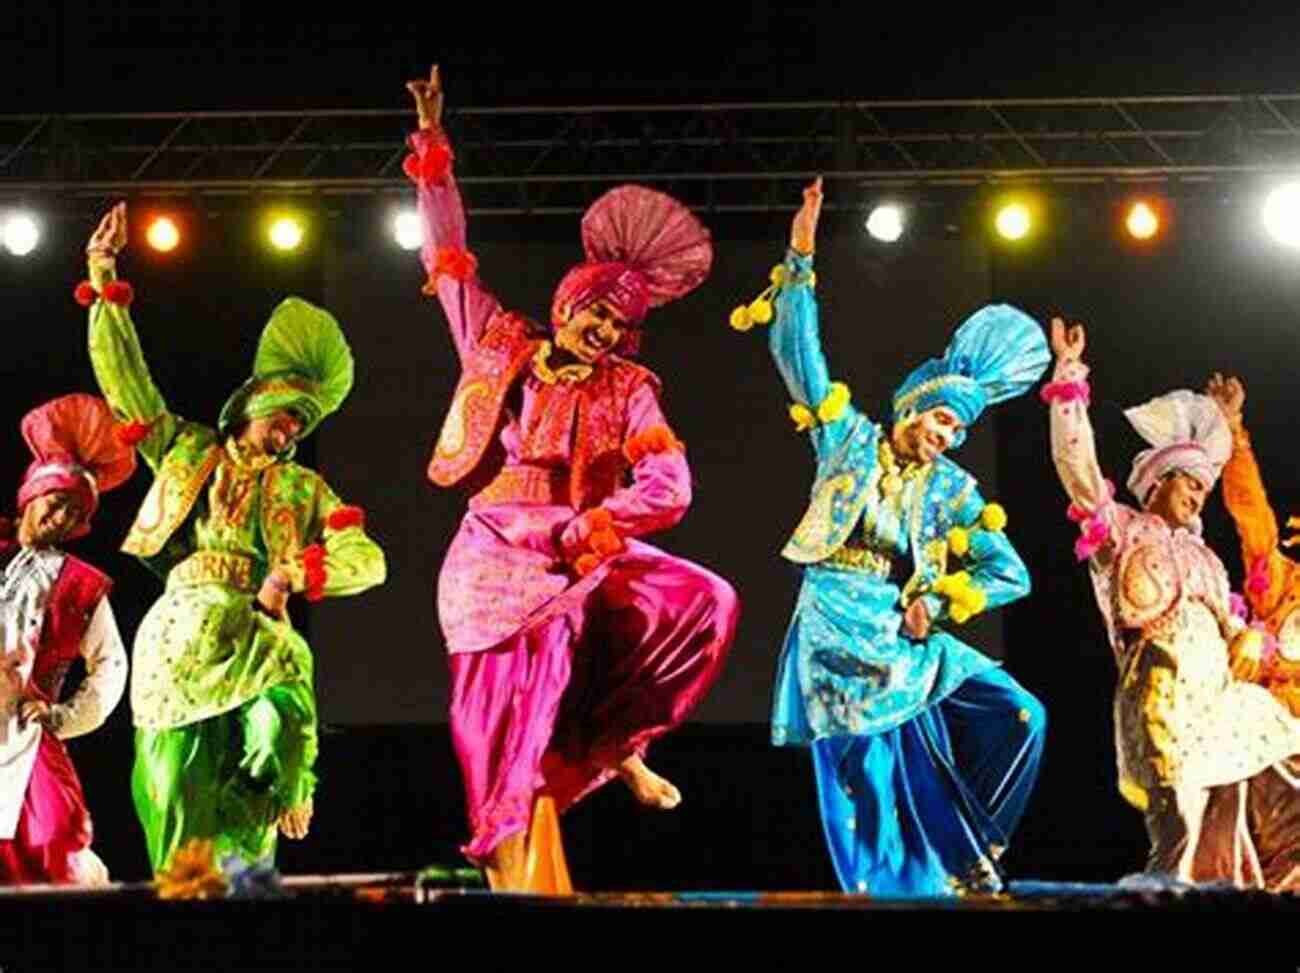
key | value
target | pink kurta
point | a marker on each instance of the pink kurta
(557, 677)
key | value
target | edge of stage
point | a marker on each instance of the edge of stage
(349, 921)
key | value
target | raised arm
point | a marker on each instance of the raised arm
(1268, 570)
(1074, 452)
(101, 690)
(452, 271)
(795, 339)
(115, 352)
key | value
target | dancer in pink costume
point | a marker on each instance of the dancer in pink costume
(54, 608)
(573, 645)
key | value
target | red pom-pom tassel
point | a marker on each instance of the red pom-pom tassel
(313, 563)
(119, 292)
(132, 433)
(346, 517)
(656, 439)
(586, 564)
(605, 543)
(456, 263)
(85, 293)
(435, 165)
(430, 168)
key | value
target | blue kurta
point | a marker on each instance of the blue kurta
(864, 694)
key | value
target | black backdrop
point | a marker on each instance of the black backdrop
(1213, 296)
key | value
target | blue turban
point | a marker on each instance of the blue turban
(999, 352)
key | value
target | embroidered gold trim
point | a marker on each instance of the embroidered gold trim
(904, 402)
(569, 374)
(860, 559)
(452, 439)
(215, 567)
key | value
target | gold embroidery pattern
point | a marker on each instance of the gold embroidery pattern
(904, 402)
(816, 527)
(452, 439)
(524, 484)
(166, 506)
(860, 559)
(214, 567)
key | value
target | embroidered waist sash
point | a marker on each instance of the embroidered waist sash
(218, 567)
(525, 484)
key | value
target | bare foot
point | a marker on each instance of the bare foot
(647, 786)
(295, 822)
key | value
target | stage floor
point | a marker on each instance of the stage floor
(353, 922)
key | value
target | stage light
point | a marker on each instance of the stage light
(1142, 221)
(1282, 214)
(1013, 221)
(286, 233)
(886, 223)
(407, 229)
(21, 234)
(163, 234)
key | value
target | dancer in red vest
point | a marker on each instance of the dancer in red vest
(54, 608)
(573, 645)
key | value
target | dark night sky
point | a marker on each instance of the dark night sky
(103, 56)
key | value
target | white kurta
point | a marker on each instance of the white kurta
(24, 595)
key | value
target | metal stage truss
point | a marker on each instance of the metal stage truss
(719, 157)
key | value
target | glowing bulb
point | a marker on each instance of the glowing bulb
(885, 223)
(1282, 214)
(21, 234)
(1013, 221)
(1142, 221)
(407, 230)
(163, 234)
(286, 233)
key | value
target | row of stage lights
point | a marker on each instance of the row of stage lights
(20, 232)
(1013, 220)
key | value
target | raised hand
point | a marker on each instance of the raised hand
(33, 711)
(1229, 395)
(428, 99)
(110, 236)
(803, 232)
(1067, 343)
(916, 620)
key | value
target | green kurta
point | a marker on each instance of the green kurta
(214, 525)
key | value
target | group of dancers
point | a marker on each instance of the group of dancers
(574, 644)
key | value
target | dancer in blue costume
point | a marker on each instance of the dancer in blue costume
(925, 750)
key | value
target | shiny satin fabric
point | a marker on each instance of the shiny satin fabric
(918, 811)
(559, 705)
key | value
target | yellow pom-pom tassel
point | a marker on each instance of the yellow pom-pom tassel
(993, 517)
(953, 585)
(959, 541)
(976, 599)
(959, 614)
(802, 416)
(760, 312)
(836, 401)
(741, 319)
(777, 276)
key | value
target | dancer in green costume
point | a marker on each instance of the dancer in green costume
(221, 684)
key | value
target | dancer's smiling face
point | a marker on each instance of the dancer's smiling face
(928, 436)
(50, 518)
(272, 434)
(1179, 498)
(591, 333)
